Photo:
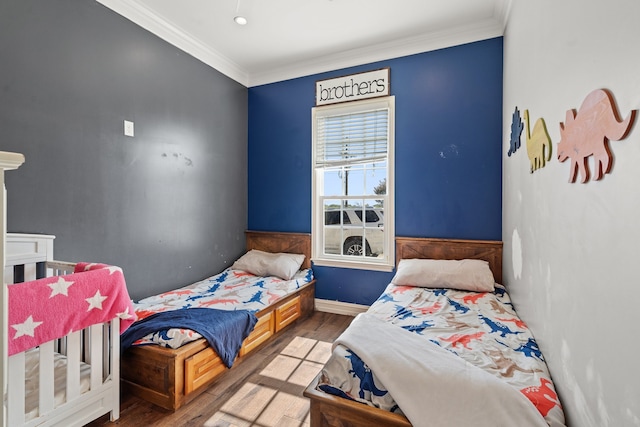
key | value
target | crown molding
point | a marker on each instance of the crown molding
(179, 38)
(147, 19)
(502, 11)
(380, 52)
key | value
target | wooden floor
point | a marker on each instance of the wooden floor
(264, 390)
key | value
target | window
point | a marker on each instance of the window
(353, 180)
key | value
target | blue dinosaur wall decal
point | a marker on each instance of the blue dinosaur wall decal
(516, 130)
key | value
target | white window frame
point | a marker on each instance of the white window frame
(387, 261)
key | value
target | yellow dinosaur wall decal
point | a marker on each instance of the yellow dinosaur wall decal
(538, 143)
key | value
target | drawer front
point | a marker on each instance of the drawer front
(262, 331)
(287, 313)
(200, 368)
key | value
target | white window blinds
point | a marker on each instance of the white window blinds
(349, 139)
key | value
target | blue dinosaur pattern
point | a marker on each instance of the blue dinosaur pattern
(221, 277)
(213, 288)
(386, 298)
(496, 326)
(531, 349)
(457, 306)
(402, 312)
(436, 314)
(257, 297)
(420, 327)
(362, 371)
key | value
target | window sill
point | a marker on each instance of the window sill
(360, 265)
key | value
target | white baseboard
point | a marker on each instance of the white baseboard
(337, 307)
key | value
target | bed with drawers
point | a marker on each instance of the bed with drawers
(170, 377)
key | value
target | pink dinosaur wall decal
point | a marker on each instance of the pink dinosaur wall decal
(588, 134)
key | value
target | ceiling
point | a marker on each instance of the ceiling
(285, 39)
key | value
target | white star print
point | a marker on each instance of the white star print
(112, 269)
(95, 301)
(88, 266)
(60, 287)
(125, 314)
(26, 328)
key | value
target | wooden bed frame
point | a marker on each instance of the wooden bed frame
(330, 411)
(172, 377)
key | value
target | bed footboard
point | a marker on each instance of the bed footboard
(328, 410)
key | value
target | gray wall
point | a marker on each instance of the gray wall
(169, 205)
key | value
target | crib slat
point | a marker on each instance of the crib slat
(15, 399)
(46, 385)
(105, 350)
(8, 275)
(73, 365)
(96, 356)
(114, 350)
(30, 271)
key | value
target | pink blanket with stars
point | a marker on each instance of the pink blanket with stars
(45, 309)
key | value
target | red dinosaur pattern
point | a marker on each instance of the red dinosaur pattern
(273, 297)
(473, 298)
(543, 396)
(219, 301)
(428, 310)
(240, 273)
(463, 339)
(402, 289)
(177, 293)
(516, 321)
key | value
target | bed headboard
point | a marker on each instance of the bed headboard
(419, 247)
(275, 241)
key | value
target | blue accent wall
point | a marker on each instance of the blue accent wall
(448, 166)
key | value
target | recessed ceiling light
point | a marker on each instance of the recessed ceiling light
(240, 20)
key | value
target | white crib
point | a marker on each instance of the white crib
(68, 381)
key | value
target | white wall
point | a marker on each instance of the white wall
(571, 250)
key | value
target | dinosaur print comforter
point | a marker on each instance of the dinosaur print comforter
(229, 290)
(481, 328)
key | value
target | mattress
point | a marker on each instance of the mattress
(228, 290)
(32, 372)
(481, 328)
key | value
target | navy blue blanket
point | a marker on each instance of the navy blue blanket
(224, 330)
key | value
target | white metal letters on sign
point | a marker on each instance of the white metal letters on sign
(353, 87)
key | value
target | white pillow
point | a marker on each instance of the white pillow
(261, 263)
(466, 274)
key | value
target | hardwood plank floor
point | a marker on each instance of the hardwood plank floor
(264, 390)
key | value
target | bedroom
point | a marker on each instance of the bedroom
(72, 72)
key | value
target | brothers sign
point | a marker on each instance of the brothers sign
(354, 87)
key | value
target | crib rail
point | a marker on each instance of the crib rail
(58, 268)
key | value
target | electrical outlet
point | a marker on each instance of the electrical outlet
(128, 128)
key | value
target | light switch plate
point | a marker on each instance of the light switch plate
(128, 128)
